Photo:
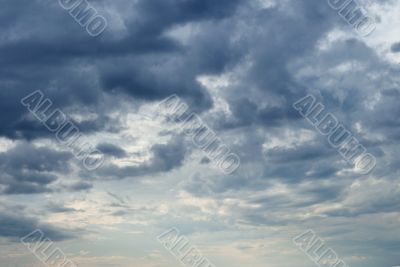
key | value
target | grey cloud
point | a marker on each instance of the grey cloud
(17, 226)
(395, 48)
(165, 157)
(78, 186)
(28, 169)
(112, 150)
(62, 54)
(303, 152)
(58, 208)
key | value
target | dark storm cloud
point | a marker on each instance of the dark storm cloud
(28, 169)
(246, 112)
(386, 115)
(76, 187)
(380, 197)
(58, 208)
(298, 171)
(17, 226)
(395, 48)
(75, 68)
(110, 149)
(205, 160)
(210, 51)
(305, 152)
(141, 79)
(165, 157)
(35, 158)
(273, 38)
(157, 75)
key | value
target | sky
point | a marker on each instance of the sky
(238, 67)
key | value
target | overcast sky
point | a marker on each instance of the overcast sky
(240, 66)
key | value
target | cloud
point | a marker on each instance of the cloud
(58, 208)
(240, 65)
(395, 48)
(17, 226)
(28, 169)
(110, 149)
(165, 157)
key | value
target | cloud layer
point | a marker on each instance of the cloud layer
(239, 65)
